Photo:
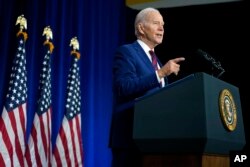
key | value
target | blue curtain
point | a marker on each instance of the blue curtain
(99, 26)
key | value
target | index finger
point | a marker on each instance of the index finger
(179, 59)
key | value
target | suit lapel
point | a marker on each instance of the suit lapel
(143, 57)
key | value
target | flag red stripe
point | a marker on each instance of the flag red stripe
(28, 158)
(43, 134)
(71, 124)
(22, 116)
(6, 139)
(35, 141)
(49, 134)
(78, 128)
(40, 141)
(58, 161)
(17, 144)
(61, 144)
(65, 144)
(1, 160)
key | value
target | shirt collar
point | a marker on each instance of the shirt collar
(144, 46)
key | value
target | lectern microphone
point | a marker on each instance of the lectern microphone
(210, 59)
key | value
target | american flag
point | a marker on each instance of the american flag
(38, 151)
(13, 118)
(68, 150)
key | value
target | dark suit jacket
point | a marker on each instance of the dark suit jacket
(133, 77)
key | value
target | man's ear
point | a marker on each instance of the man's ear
(141, 28)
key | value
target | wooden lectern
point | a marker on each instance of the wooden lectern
(193, 122)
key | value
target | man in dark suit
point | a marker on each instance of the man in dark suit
(136, 73)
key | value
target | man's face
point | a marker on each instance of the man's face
(153, 29)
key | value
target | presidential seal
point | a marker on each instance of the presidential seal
(228, 109)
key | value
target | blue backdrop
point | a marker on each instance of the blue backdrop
(98, 25)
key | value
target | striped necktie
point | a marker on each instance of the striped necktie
(154, 62)
(154, 59)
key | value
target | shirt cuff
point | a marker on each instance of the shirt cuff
(158, 78)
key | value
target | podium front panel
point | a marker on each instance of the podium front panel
(185, 117)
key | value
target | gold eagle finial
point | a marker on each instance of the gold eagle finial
(49, 36)
(48, 33)
(75, 44)
(21, 20)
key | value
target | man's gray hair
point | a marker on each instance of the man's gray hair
(140, 17)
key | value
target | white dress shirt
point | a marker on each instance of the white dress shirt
(146, 50)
